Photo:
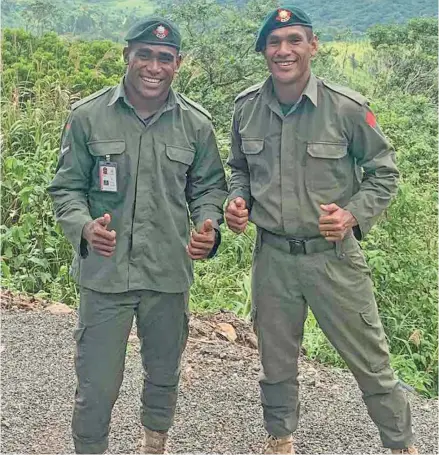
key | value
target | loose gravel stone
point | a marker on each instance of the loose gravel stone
(218, 408)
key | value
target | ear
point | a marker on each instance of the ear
(178, 61)
(314, 45)
(126, 55)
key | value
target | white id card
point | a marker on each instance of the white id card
(108, 176)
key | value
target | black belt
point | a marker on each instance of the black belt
(296, 246)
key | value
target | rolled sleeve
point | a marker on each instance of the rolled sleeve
(70, 185)
(376, 156)
(206, 188)
(240, 178)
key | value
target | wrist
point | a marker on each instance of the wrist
(351, 220)
(86, 230)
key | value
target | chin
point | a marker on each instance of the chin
(285, 79)
(152, 93)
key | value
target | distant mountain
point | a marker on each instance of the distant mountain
(111, 18)
(358, 15)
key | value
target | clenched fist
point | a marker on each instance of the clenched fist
(101, 240)
(237, 215)
(202, 242)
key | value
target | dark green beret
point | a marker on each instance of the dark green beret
(284, 16)
(155, 30)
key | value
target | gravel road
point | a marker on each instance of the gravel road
(218, 409)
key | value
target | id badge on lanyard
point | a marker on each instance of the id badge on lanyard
(108, 175)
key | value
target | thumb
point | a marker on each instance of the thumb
(206, 227)
(104, 220)
(240, 203)
(329, 207)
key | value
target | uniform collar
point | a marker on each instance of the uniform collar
(119, 93)
(310, 90)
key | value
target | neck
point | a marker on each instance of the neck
(291, 92)
(145, 107)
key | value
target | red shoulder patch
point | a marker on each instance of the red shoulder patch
(370, 119)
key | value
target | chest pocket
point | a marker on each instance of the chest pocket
(180, 154)
(252, 146)
(259, 164)
(328, 167)
(113, 151)
(175, 166)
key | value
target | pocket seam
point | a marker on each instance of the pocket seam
(252, 150)
(342, 149)
(103, 152)
(183, 155)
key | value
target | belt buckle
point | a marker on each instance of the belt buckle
(297, 246)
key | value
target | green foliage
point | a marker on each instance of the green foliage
(43, 75)
(406, 57)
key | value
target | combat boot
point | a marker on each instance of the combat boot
(279, 445)
(153, 441)
(411, 450)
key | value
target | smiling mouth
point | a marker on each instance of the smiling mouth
(150, 80)
(286, 64)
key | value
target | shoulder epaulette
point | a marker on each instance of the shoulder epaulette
(252, 89)
(90, 97)
(196, 106)
(349, 93)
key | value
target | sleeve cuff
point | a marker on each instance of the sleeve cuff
(217, 244)
(363, 227)
(241, 193)
(82, 248)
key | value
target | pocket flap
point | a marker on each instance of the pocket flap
(252, 146)
(330, 150)
(102, 148)
(180, 154)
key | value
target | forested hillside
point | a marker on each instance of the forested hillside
(396, 67)
(109, 19)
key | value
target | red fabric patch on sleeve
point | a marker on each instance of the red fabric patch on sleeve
(371, 120)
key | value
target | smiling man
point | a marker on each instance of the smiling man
(312, 169)
(135, 159)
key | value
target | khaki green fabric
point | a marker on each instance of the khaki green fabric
(336, 285)
(286, 166)
(326, 149)
(164, 166)
(104, 325)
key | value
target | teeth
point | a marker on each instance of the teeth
(285, 63)
(151, 80)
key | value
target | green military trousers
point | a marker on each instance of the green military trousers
(104, 325)
(336, 284)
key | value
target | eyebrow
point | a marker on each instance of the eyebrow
(151, 52)
(291, 35)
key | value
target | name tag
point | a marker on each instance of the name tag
(108, 176)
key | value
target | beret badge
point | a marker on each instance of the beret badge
(161, 32)
(283, 15)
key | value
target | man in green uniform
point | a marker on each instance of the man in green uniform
(135, 160)
(312, 169)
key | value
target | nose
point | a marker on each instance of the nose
(283, 49)
(153, 66)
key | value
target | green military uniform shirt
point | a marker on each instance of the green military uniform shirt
(164, 166)
(326, 149)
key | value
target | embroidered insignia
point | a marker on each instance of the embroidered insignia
(161, 32)
(370, 119)
(283, 15)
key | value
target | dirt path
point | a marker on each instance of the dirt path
(218, 409)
